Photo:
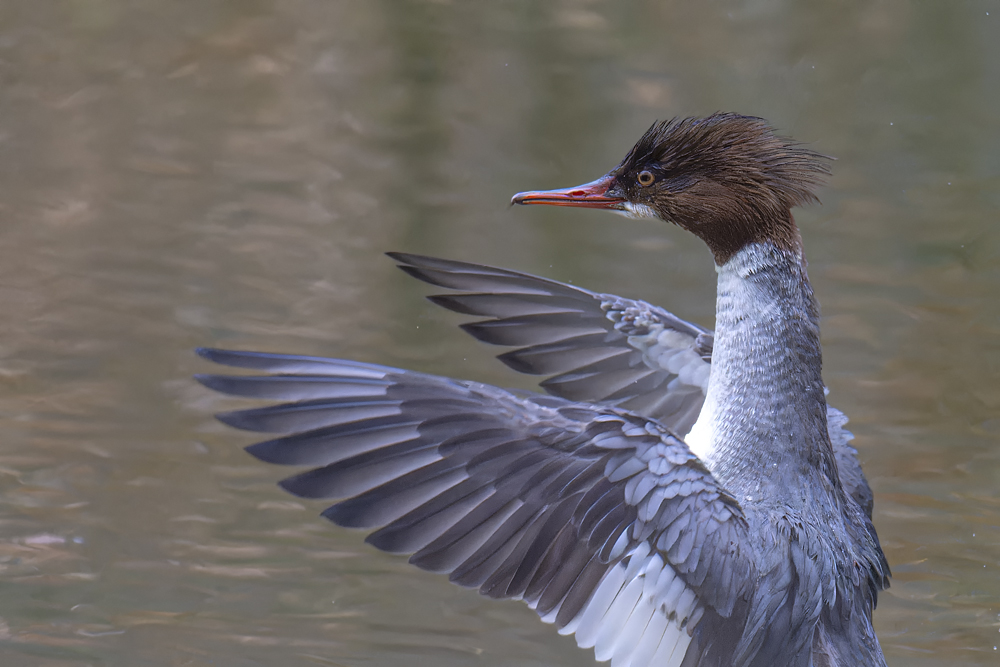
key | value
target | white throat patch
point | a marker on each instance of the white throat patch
(637, 211)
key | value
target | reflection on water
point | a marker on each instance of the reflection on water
(175, 174)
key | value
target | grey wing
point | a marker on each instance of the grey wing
(599, 348)
(603, 522)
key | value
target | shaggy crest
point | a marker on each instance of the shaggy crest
(734, 150)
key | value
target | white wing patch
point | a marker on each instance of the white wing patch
(701, 438)
(638, 615)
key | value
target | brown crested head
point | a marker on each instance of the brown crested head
(728, 179)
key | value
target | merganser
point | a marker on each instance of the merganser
(750, 544)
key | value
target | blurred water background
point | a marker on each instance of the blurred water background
(221, 172)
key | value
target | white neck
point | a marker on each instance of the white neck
(763, 425)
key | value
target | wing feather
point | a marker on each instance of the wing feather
(560, 504)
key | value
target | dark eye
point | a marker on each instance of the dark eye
(646, 178)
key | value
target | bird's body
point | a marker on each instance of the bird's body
(753, 546)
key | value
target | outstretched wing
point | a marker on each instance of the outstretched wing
(599, 348)
(602, 521)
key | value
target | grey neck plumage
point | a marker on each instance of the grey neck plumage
(763, 430)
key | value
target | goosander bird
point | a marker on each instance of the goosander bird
(748, 542)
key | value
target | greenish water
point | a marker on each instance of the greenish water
(175, 174)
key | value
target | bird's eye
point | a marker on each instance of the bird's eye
(646, 178)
